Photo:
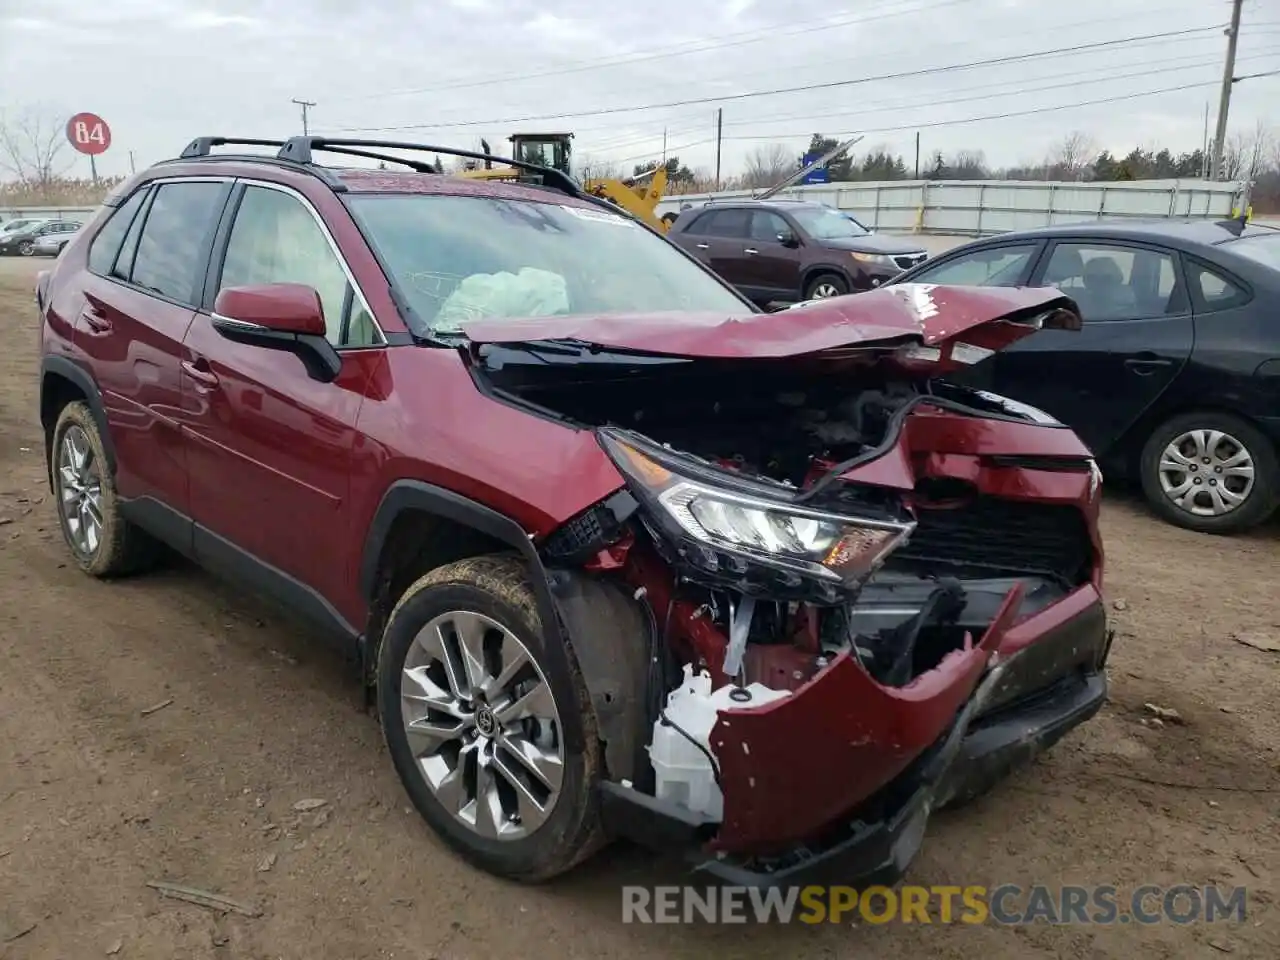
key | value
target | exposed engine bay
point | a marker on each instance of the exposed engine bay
(739, 486)
(775, 420)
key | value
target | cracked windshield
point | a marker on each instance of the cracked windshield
(467, 258)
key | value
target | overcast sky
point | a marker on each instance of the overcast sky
(451, 71)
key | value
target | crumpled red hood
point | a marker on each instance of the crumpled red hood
(927, 321)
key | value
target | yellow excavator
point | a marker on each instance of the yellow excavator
(638, 195)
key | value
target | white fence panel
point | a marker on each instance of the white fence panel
(981, 207)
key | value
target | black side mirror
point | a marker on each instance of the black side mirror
(788, 239)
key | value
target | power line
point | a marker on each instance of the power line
(916, 126)
(674, 151)
(1075, 82)
(607, 146)
(805, 88)
(895, 54)
(999, 116)
(656, 53)
(633, 139)
(630, 136)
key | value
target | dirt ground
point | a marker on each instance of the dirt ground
(98, 796)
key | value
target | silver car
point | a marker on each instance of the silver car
(23, 241)
(51, 244)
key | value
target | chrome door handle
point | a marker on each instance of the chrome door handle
(95, 320)
(199, 375)
(704, 246)
(751, 251)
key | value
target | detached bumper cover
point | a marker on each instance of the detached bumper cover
(1051, 681)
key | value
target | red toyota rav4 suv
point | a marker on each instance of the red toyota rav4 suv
(617, 554)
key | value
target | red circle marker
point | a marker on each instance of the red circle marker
(89, 133)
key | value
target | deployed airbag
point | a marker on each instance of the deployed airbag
(529, 293)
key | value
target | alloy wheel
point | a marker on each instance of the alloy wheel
(482, 725)
(26, 248)
(824, 290)
(80, 491)
(1208, 473)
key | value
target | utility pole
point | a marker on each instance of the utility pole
(132, 167)
(664, 146)
(917, 176)
(719, 138)
(1204, 145)
(1228, 79)
(305, 105)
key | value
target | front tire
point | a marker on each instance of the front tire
(473, 726)
(26, 248)
(826, 285)
(102, 541)
(1210, 472)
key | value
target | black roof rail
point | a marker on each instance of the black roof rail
(299, 152)
(302, 149)
(203, 146)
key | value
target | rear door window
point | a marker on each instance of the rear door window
(733, 224)
(171, 256)
(1115, 282)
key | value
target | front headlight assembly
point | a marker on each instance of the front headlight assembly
(874, 259)
(746, 533)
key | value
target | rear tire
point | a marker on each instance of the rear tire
(467, 733)
(825, 286)
(102, 541)
(1210, 472)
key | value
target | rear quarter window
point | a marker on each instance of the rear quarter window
(106, 245)
(1213, 290)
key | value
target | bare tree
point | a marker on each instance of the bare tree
(969, 165)
(594, 168)
(767, 165)
(32, 149)
(1070, 157)
(1244, 155)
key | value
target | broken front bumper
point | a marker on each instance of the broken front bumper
(1048, 677)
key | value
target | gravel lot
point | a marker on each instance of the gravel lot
(99, 796)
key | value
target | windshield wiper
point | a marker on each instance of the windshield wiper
(580, 350)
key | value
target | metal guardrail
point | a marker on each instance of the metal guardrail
(53, 213)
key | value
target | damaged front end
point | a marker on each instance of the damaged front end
(863, 591)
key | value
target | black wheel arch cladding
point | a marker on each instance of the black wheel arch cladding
(421, 496)
(54, 369)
